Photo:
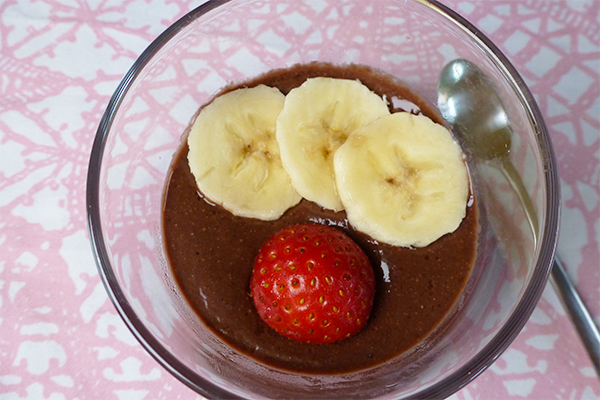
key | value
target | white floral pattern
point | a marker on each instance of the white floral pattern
(60, 337)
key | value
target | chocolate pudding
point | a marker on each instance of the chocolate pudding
(211, 253)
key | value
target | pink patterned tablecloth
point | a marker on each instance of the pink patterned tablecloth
(60, 60)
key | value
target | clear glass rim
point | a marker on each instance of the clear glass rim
(445, 387)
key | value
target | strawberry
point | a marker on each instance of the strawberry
(313, 284)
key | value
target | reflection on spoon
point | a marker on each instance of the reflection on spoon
(469, 102)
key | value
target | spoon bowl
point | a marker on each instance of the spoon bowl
(467, 102)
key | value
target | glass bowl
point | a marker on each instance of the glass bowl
(225, 42)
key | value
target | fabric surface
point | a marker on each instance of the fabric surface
(61, 60)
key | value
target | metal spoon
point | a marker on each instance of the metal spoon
(468, 101)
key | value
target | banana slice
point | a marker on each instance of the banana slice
(403, 180)
(234, 155)
(316, 119)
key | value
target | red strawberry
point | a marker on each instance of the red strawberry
(312, 283)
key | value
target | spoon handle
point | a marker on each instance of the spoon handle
(577, 311)
(514, 179)
(587, 329)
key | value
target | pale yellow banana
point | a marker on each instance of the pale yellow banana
(402, 180)
(234, 154)
(316, 119)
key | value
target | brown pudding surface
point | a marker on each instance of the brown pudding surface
(211, 253)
